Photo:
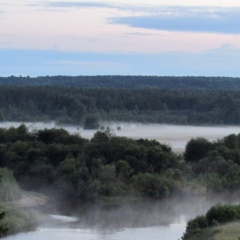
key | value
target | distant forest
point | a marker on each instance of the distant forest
(89, 100)
(127, 82)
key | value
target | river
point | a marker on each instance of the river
(150, 220)
(66, 231)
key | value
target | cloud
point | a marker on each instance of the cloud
(134, 8)
(188, 19)
(80, 4)
(142, 34)
(169, 18)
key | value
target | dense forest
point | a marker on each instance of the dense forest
(79, 170)
(84, 106)
(109, 168)
(88, 100)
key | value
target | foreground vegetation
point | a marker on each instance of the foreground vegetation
(219, 223)
(227, 231)
(12, 218)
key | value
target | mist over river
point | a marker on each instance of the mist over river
(147, 221)
(174, 135)
(67, 232)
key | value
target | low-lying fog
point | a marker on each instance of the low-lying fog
(165, 220)
(174, 135)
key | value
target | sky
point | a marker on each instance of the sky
(112, 37)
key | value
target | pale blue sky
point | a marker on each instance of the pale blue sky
(50, 37)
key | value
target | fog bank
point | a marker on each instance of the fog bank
(174, 135)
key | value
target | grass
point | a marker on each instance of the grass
(16, 220)
(9, 189)
(229, 231)
(15, 206)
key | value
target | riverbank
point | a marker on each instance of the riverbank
(19, 215)
(221, 222)
(229, 231)
(29, 200)
(17, 220)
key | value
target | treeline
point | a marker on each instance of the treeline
(74, 105)
(128, 82)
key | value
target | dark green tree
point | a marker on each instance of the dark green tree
(196, 149)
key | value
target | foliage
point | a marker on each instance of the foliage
(222, 213)
(195, 227)
(12, 220)
(3, 227)
(9, 189)
(226, 231)
(78, 170)
(196, 149)
(16, 220)
(215, 215)
(215, 165)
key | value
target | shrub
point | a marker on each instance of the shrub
(222, 214)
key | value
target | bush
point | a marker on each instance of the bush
(215, 215)
(195, 227)
(16, 220)
(222, 214)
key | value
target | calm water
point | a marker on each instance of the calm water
(66, 231)
(174, 135)
(172, 232)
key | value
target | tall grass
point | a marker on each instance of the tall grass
(16, 220)
(12, 220)
(229, 231)
(9, 189)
